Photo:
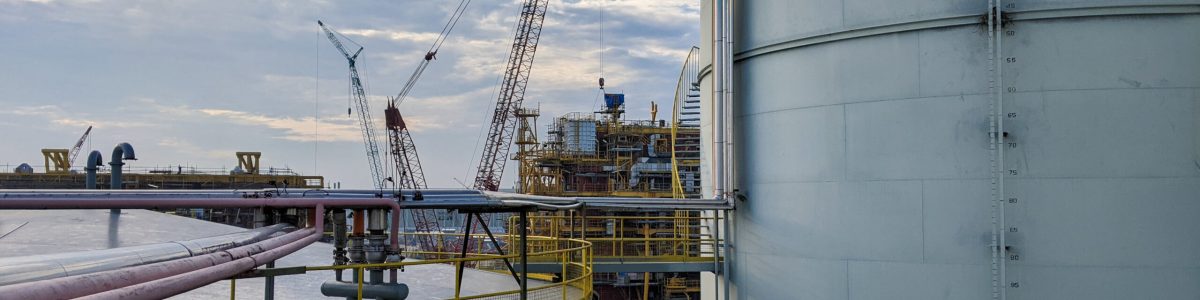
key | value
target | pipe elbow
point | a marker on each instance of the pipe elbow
(122, 151)
(95, 159)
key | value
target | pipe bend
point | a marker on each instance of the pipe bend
(95, 159)
(122, 151)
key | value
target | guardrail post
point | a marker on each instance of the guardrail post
(564, 273)
(524, 255)
(359, 271)
(269, 284)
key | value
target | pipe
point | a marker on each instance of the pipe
(45, 200)
(722, 146)
(121, 152)
(544, 205)
(86, 284)
(47, 266)
(125, 151)
(718, 66)
(174, 285)
(49, 201)
(349, 290)
(339, 241)
(95, 159)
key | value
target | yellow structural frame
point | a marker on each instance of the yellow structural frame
(57, 160)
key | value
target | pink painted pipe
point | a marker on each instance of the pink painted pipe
(174, 285)
(87, 284)
(167, 202)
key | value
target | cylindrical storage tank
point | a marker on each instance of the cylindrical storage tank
(864, 150)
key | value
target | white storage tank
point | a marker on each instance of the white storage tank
(864, 150)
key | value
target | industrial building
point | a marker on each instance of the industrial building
(603, 154)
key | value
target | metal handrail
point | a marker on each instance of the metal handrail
(577, 257)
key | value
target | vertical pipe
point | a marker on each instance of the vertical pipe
(339, 241)
(121, 152)
(718, 94)
(93, 164)
(358, 221)
(524, 256)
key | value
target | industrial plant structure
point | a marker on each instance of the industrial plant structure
(603, 154)
(957, 149)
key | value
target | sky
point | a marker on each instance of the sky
(191, 82)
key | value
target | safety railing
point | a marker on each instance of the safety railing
(676, 238)
(574, 281)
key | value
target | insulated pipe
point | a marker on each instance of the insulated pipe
(174, 285)
(95, 159)
(87, 284)
(48, 266)
(122, 150)
(46, 201)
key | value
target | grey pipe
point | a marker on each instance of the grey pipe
(95, 159)
(122, 150)
(387, 291)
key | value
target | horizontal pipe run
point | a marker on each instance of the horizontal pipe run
(349, 290)
(47, 266)
(174, 285)
(87, 284)
(432, 198)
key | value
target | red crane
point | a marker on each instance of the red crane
(409, 174)
(512, 93)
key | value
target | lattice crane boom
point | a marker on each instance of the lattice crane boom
(512, 93)
(78, 145)
(364, 112)
(404, 151)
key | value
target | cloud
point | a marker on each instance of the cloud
(294, 129)
(402, 36)
(191, 80)
(56, 115)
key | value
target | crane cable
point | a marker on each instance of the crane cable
(431, 54)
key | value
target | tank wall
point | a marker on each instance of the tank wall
(867, 165)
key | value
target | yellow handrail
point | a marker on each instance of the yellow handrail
(576, 263)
